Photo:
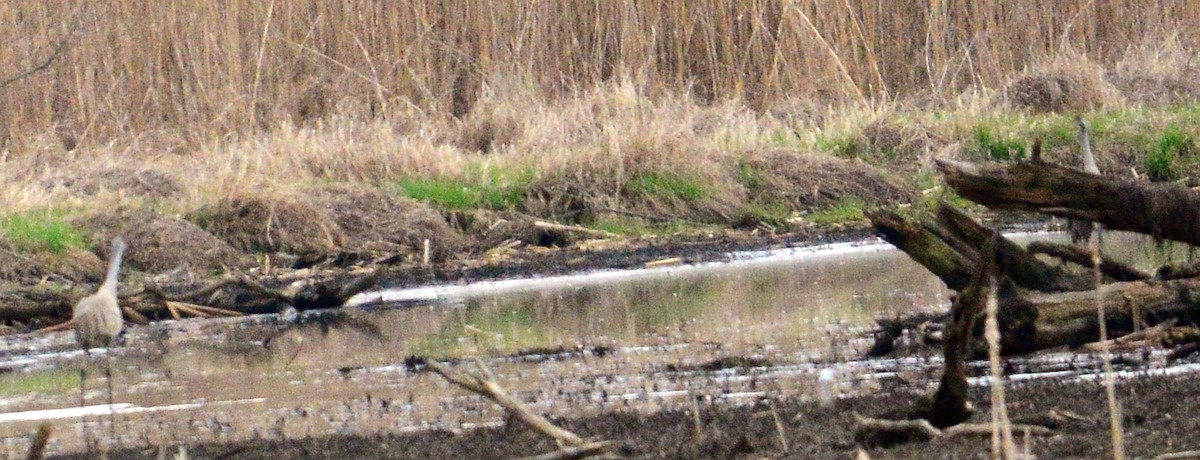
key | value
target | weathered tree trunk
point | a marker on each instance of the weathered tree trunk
(1031, 320)
(949, 247)
(1162, 210)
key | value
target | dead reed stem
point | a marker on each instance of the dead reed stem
(1110, 392)
(118, 67)
(1002, 437)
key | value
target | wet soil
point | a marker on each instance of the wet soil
(1158, 419)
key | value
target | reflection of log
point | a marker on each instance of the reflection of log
(1158, 209)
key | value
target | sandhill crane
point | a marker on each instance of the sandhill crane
(1081, 230)
(97, 320)
(97, 317)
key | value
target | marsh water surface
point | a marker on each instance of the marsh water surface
(636, 340)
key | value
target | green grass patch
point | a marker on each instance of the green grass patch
(990, 144)
(43, 230)
(667, 185)
(1165, 159)
(848, 146)
(846, 211)
(478, 188)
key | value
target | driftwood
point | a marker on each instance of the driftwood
(1163, 210)
(874, 431)
(484, 384)
(949, 247)
(950, 405)
(1031, 320)
(1110, 268)
(230, 295)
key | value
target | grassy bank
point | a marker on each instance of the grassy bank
(275, 128)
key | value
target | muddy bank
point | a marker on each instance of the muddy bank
(1155, 423)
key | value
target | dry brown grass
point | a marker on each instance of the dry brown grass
(648, 107)
(270, 223)
(209, 69)
(159, 243)
(1071, 83)
(376, 223)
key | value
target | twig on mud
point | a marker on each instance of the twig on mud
(212, 310)
(1193, 454)
(574, 228)
(986, 429)
(1134, 339)
(171, 309)
(584, 450)
(135, 316)
(56, 327)
(37, 447)
(663, 262)
(485, 384)
(187, 308)
(783, 442)
(919, 429)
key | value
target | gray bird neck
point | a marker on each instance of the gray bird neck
(114, 266)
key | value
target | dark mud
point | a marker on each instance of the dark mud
(1159, 418)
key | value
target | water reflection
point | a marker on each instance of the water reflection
(343, 371)
(788, 302)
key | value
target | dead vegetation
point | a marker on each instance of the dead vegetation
(811, 181)
(147, 183)
(380, 224)
(160, 243)
(268, 223)
(1072, 83)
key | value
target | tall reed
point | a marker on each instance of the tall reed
(213, 68)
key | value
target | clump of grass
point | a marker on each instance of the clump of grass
(848, 147)
(665, 185)
(44, 230)
(846, 211)
(1173, 147)
(996, 147)
(478, 189)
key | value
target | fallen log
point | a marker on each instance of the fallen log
(949, 247)
(1019, 265)
(1071, 253)
(1162, 210)
(1032, 320)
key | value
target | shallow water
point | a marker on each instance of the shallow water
(616, 340)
